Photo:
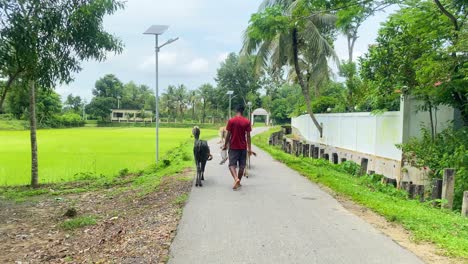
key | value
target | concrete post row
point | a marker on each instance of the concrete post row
(448, 186)
(464, 211)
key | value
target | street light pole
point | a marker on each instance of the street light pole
(250, 109)
(230, 98)
(157, 30)
(156, 42)
(84, 110)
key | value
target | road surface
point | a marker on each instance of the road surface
(277, 216)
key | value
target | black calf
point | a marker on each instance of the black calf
(201, 153)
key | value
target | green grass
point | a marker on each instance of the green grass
(448, 230)
(143, 182)
(85, 153)
(78, 222)
(180, 200)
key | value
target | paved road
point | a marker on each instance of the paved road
(277, 216)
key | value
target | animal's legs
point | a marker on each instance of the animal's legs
(197, 180)
(203, 164)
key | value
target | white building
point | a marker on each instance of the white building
(128, 115)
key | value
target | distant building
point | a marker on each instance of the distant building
(128, 115)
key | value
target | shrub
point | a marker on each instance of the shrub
(321, 104)
(350, 167)
(78, 222)
(448, 149)
(123, 172)
(69, 120)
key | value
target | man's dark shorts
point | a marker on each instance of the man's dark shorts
(237, 157)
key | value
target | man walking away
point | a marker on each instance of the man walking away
(238, 139)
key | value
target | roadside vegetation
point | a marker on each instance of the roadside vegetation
(447, 229)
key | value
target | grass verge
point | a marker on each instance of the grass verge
(448, 230)
(78, 222)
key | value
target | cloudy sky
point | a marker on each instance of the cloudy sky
(208, 31)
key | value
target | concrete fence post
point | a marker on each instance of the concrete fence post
(420, 192)
(464, 211)
(448, 186)
(411, 191)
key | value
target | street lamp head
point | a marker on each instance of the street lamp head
(156, 30)
(171, 40)
(230, 92)
(249, 104)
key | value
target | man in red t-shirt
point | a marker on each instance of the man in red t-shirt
(238, 138)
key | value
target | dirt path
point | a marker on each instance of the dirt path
(130, 228)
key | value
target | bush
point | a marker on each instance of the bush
(448, 149)
(321, 104)
(70, 120)
(350, 167)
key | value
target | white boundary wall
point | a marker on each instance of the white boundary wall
(360, 132)
(372, 134)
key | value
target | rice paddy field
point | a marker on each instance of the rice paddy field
(68, 154)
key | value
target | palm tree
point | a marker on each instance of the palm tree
(181, 98)
(303, 46)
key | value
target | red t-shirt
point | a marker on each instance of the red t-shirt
(238, 126)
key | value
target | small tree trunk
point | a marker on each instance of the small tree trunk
(6, 89)
(32, 123)
(305, 88)
(204, 112)
(432, 121)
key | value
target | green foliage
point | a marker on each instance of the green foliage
(449, 149)
(293, 34)
(180, 200)
(101, 107)
(350, 167)
(68, 120)
(267, 24)
(323, 103)
(73, 103)
(449, 231)
(239, 76)
(287, 101)
(417, 53)
(123, 172)
(78, 222)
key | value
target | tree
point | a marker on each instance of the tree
(208, 97)
(236, 75)
(47, 101)
(351, 15)
(101, 107)
(108, 86)
(73, 103)
(292, 33)
(415, 56)
(180, 97)
(46, 40)
(136, 97)
(193, 100)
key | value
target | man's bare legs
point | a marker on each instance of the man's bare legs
(237, 176)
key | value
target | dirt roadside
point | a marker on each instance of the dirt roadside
(130, 227)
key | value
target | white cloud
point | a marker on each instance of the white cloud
(222, 57)
(198, 66)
